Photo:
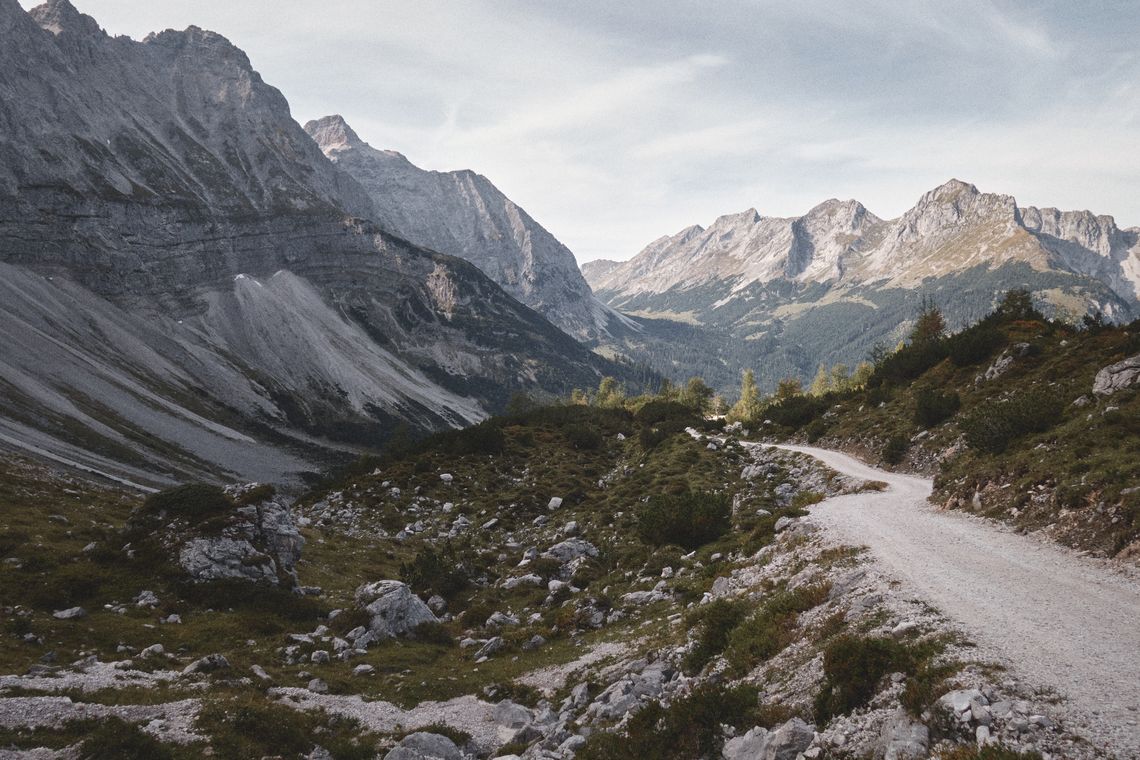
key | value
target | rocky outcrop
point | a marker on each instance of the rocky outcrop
(424, 746)
(260, 544)
(1115, 377)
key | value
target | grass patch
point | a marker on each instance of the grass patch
(766, 632)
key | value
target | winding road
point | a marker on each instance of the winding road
(1056, 619)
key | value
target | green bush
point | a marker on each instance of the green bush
(123, 741)
(195, 501)
(659, 411)
(852, 669)
(907, 363)
(766, 632)
(816, 429)
(689, 520)
(933, 408)
(796, 411)
(431, 572)
(992, 426)
(974, 344)
(895, 449)
(686, 729)
(713, 623)
(583, 437)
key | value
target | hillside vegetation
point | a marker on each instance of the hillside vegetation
(1002, 414)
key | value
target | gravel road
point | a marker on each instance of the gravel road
(1054, 618)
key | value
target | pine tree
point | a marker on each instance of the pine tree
(610, 393)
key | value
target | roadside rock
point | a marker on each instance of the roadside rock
(903, 739)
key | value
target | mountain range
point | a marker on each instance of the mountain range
(785, 294)
(192, 289)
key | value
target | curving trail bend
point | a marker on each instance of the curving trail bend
(1057, 619)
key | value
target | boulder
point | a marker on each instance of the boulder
(788, 740)
(1116, 377)
(902, 738)
(208, 664)
(570, 550)
(511, 715)
(746, 747)
(261, 544)
(393, 609)
(71, 613)
(424, 746)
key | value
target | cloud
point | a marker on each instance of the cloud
(615, 123)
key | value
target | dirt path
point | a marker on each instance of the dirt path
(1055, 619)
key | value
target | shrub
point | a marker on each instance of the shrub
(195, 501)
(767, 631)
(804, 499)
(690, 519)
(974, 345)
(816, 430)
(713, 623)
(432, 572)
(651, 437)
(583, 437)
(797, 411)
(852, 669)
(995, 424)
(124, 741)
(908, 363)
(895, 449)
(687, 728)
(659, 411)
(932, 408)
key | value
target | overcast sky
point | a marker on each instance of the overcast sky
(614, 123)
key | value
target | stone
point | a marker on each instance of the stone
(146, 599)
(154, 650)
(570, 528)
(363, 670)
(424, 746)
(554, 503)
(259, 671)
(959, 701)
(493, 646)
(511, 715)
(318, 686)
(501, 620)
(571, 549)
(788, 740)
(319, 657)
(446, 477)
(71, 613)
(437, 604)
(1116, 377)
(903, 738)
(522, 580)
(211, 663)
(394, 609)
(784, 522)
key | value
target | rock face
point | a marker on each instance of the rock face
(461, 213)
(261, 544)
(1115, 377)
(394, 609)
(176, 249)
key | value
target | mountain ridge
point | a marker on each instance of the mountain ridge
(462, 213)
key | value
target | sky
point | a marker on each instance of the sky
(614, 123)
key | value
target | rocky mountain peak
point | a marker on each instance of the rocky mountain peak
(333, 133)
(61, 17)
(743, 219)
